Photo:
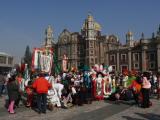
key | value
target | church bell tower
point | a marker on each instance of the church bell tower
(48, 43)
(129, 39)
(89, 31)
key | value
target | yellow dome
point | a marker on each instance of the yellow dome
(129, 33)
(90, 17)
(97, 26)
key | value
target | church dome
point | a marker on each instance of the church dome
(90, 17)
(129, 33)
(97, 26)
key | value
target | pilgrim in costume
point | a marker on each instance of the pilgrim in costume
(98, 82)
(99, 86)
(88, 85)
(125, 78)
(53, 98)
(93, 77)
(131, 77)
(107, 82)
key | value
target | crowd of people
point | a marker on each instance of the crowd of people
(42, 91)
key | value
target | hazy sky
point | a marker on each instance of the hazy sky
(23, 22)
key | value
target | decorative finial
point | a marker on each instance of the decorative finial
(153, 35)
(90, 17)
(49, 29)
(142, 35)
(89, 13)
(158, 31)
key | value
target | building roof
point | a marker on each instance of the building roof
(5, 54)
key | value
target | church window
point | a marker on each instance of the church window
(91, 44)
(151, 56)
(95, 60)
(152, 65)
(123, 57)
(114, 67)
(10, 60)
(92, 60)
(136, 66)
(136, 57)
(3, 59)
(112, 58)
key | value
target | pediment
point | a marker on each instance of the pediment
(64, 37)
(113, 38)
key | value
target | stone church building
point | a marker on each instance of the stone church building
(90, 47)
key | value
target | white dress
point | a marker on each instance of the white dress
(53, 97)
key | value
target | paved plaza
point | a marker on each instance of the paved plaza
(98, 110)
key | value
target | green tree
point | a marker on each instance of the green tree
(28, 56)
(56, 66)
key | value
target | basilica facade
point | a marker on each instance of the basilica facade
(90, 47)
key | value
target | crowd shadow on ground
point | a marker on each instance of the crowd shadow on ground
(119, 102)
(147, 116)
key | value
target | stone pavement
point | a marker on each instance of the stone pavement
(136, 113)
(98, 110)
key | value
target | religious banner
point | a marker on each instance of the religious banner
(64, 63)
(42, 60)
(107, 86)
(97, 88)
(108, 82)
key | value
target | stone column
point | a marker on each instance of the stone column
(6, 61)
(129, 60)
(144, 67)
(158, 57)
(107, 59)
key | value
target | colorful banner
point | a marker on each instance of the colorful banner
(64, 63)
(42, 59)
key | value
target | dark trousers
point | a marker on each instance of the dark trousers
(158, 93)
(42, 102)
(18, 100)
(145, 94)
(2, 87)
(135, 95)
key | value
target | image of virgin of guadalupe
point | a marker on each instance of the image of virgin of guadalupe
(64, 63)
(99, 86)
(107, 86)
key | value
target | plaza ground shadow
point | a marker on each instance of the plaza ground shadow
(149, 116)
